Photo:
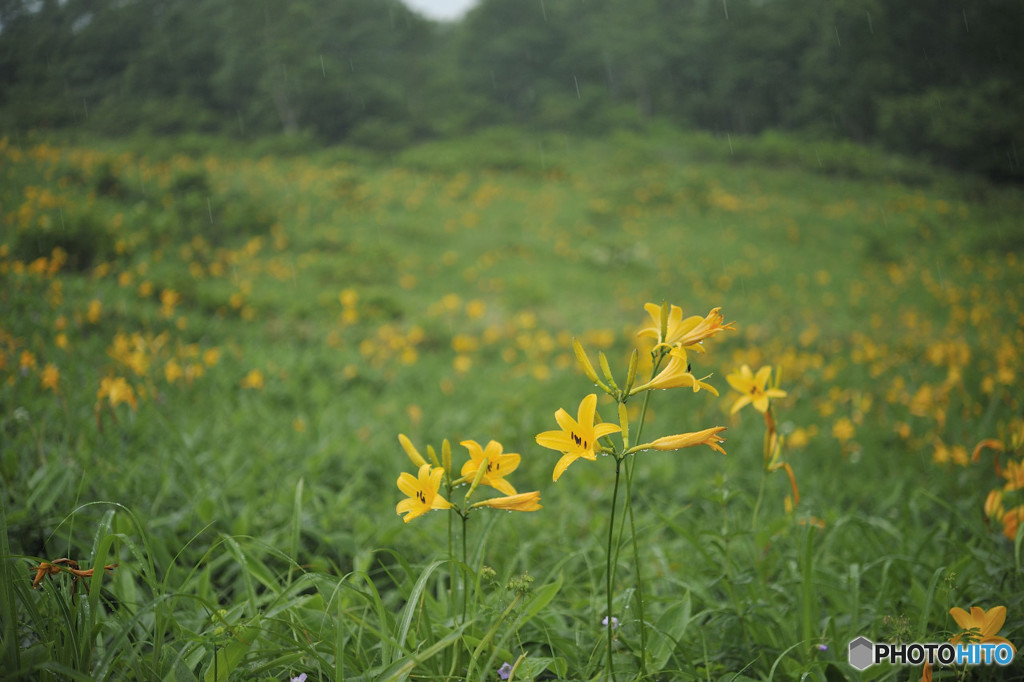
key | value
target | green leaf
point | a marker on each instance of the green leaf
(542, 598)
(669, 630)
(531, 667)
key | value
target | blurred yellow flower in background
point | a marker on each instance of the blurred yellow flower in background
(751, 388)
(254, 379)
(117, 390)
(842, 429)
(94, 311)
(50, 377)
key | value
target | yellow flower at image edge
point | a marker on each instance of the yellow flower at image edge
(752, 388)
(422, 493)
(980, 626)
(1012, 521)
(577, 437)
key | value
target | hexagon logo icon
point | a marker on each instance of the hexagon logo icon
(861, 653)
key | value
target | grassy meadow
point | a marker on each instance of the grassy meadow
(207, 353)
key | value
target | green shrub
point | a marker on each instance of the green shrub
(83, 236)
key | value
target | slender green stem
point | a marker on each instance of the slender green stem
(451, 557)
(465, 586)
(647, 400)
(757, 504)
(465, 561)
(639, 577)
(632, 526)
(767, 448)
(609, 624)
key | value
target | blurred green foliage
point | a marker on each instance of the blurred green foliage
(933, 80)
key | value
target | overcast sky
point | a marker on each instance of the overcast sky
(441, 9)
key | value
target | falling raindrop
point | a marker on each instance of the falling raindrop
(577, 84)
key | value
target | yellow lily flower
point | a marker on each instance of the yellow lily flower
(524, 502)
(686, 333)
(498, 465)
(752, 388)
(1014, 474)
(679, 441)
(1012, 520)
(676, 375)
(994, 504)
(422, 492)
(50, 377)
(577, 437)
(118, 391)
(980, 626)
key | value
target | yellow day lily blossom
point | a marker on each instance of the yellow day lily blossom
(980, 626)
(676, 375)
(686, 333)
(1012, 520)
(994, 504)
(118, 391)
(752, 388)
(1014, 474)
(524, 502)
(499, 465)
(50, 377)
(577, 437)
(422, 492)
(679, 441)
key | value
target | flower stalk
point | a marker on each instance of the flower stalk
(579, 438)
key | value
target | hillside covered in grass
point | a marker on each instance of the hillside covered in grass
(207, 353)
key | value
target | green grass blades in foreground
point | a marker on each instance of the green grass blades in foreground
(205, 361)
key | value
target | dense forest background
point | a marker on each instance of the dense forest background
(939, 79)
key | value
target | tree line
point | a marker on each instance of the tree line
(939, 79)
